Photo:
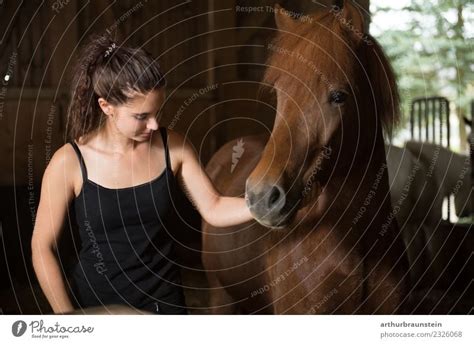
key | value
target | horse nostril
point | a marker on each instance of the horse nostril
(276, 199)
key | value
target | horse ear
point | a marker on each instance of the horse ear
(350, 17)
(284, 21)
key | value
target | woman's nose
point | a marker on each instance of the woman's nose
(152, 124)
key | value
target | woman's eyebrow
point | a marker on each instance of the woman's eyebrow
(142, 114)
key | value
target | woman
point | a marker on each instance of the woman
(120, 172)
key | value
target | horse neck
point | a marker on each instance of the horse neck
(359, 172)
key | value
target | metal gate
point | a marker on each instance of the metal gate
(429, 122)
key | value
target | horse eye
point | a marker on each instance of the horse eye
(337, 97)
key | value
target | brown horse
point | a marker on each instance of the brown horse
(324, 239)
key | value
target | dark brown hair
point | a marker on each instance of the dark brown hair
(111, 71)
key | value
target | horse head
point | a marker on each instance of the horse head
(335, 92)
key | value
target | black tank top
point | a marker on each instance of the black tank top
(127, 251)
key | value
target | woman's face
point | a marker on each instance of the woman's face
(138, 118)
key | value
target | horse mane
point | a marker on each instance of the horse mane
(383, 83)
(381, 76)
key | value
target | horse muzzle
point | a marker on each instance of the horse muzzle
(269, 204)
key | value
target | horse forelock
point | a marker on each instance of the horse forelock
(307, 53)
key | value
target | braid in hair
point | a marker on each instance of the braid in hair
(84, 111)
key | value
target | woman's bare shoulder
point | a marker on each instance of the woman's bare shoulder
(178, 143)
(64, 166)
(64, 157)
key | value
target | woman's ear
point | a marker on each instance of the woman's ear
(106, 107)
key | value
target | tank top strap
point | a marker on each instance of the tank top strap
(164, 136)
(81, 160)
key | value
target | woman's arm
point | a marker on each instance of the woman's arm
(217, 210)
(57, 191)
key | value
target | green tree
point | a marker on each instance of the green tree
(433, 54)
